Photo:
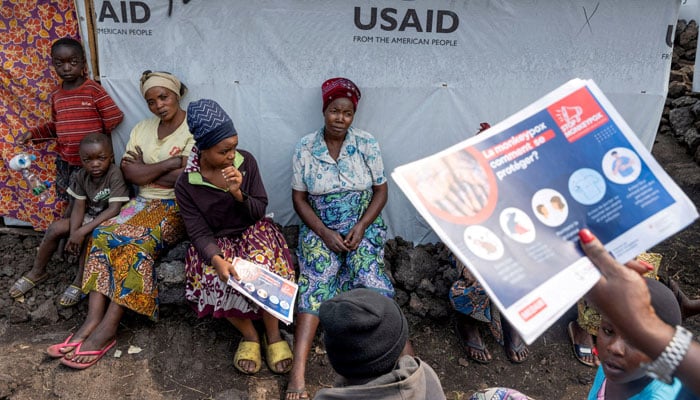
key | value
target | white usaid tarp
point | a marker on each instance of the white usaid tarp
(429, 71)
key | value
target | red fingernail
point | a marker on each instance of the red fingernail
(586, 236)
(648, 266)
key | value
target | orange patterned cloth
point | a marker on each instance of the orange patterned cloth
(27, 29)
(120, 263)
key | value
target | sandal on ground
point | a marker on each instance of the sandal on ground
(71, 296)
(24, 284)
(580, 351)
(277, 352)
(470, 347)
(248, 351)
(54, 351)
(302, 394)
(512, 349)
(79, 352)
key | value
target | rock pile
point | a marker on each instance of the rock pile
(682, 108)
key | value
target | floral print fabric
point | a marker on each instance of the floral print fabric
(359, 165)
(28, 28)
(123, 250)
(262, 244)
(324, 273)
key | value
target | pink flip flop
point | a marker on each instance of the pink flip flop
(55, 350)
(78, 352)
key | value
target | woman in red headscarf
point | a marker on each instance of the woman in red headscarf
(338, 189)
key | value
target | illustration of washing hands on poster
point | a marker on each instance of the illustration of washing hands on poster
(510, 202)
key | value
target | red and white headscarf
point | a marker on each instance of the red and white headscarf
(336, 88)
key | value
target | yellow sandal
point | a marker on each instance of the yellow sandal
(276, 352)
(248, 351)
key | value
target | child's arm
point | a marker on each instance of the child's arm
(45, 131)
(78, 236)
(109, 111)
(75, 221)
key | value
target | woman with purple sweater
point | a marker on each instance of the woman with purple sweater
(222, 202)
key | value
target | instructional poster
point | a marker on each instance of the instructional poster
(268, 290)
(510, 202)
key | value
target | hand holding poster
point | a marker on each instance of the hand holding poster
(510, 202)
(273, 293)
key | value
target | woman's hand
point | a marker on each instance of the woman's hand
(621, 291)
(334, 241)
(133, 157)
(233, 178)
(354, 237)
(224, 269)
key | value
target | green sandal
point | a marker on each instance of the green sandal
(277, 352)
(248, 351)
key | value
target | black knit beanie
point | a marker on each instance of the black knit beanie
(364, 333)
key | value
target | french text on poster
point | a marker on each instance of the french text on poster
(510, 202)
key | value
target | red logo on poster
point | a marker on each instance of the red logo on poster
(578, 114)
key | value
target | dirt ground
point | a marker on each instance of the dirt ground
(181, 357)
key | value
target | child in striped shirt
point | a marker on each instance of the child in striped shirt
(78, 107)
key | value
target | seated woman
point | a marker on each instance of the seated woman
(119, 270)
(621, 375)
(473, 305)
(222, 201)
(338, 189)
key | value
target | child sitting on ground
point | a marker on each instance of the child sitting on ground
(99, 191)
(78, 107)
(620, 375)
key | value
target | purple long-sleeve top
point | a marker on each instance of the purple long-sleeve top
(210, 212)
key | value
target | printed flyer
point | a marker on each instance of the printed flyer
(273, 293)
(510, 202)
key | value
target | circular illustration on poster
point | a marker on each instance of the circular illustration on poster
(621, 165)
(587, 186)
(517, 225)
(483, 243)
(459, 187)
(550, 207)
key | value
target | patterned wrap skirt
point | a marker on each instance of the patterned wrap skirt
(262, 244)
(469, 298)
(324, 273)
(123, 250)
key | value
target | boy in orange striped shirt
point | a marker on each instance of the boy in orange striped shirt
(78, 107)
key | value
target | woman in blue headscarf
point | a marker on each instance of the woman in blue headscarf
(222, 202)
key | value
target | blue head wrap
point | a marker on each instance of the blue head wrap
(209, 123)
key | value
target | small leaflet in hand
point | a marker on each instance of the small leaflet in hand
(268, 290)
